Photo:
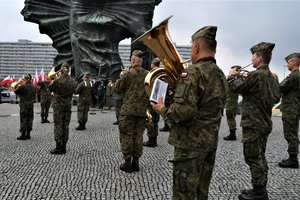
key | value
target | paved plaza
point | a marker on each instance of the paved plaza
(90, 168)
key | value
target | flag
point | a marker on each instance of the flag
(41, 76)
(7, 81)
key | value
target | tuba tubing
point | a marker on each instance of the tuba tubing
(159, 41)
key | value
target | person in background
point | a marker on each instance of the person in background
(109, 94)
(26, 91)
(260, 91)
(132, 119)
(290, 107)
(63, 88)
(194, 118)
(85, 91)
(46, 99)
(101, 95)
(231, 109)
(152, 126)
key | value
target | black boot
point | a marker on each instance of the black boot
(126, 166)
(291, 162)
(22, 137)
(64, 146)
(46, 120)
(135, 164)
(81, 127)
(43, 120)
(164, 129)
(58, 149)
(28, 135)
(231, 135)
(116, 123)
(152, 142)
(257, 193)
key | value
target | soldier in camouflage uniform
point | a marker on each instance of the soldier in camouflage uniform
(231, 108)
(260, 90)
(133, 112)
(26, 93)
(194, 118)
(63, 88)
(290, 107)
(152, 127)
(46, 98)
(85, 91)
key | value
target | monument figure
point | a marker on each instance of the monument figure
(86, 33)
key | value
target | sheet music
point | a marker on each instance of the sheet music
(159, 90)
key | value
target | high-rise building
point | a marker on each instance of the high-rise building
(26, 57)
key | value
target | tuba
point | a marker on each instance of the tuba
(159, 41)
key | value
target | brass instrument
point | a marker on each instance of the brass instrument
(243, 72)
(54, 75)
(159, 41)
(21, 82)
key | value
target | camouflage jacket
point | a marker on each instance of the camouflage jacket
(196, 111)
(85, 90)
(290, 89)
(135, 99)
(44, 91)
(260, 91)
(26, 93)
(119, 95)
(63, 89)
(232, 99)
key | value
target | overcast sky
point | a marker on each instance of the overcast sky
(241, 24)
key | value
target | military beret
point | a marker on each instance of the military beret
(137, 53)
(208, 32)
(155, 61)
(293, 55)
(263, 46)
(236, 66)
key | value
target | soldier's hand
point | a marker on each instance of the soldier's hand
(158, 106)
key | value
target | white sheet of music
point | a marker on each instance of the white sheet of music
(159, 90)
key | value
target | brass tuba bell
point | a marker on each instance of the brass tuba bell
(159, 41)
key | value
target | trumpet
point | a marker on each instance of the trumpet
(54, 75)
(21, 82)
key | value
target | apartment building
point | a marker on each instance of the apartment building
(26, 57)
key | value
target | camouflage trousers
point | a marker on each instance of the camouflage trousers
(255, 142)
(26, 118)
(118, 108)
(61, 125)
(152, 128)
(290, 128)
(131, 135)
(83, 112)
(45, 106)
(192, 172)
(230, 114)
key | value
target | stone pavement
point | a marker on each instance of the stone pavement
(90, 168)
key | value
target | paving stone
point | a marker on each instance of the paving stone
(90, 168)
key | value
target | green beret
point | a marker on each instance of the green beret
(293, 55)
(137, 53)
(263, 46)
(208, 32)
(155, 61)
(236, 66)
